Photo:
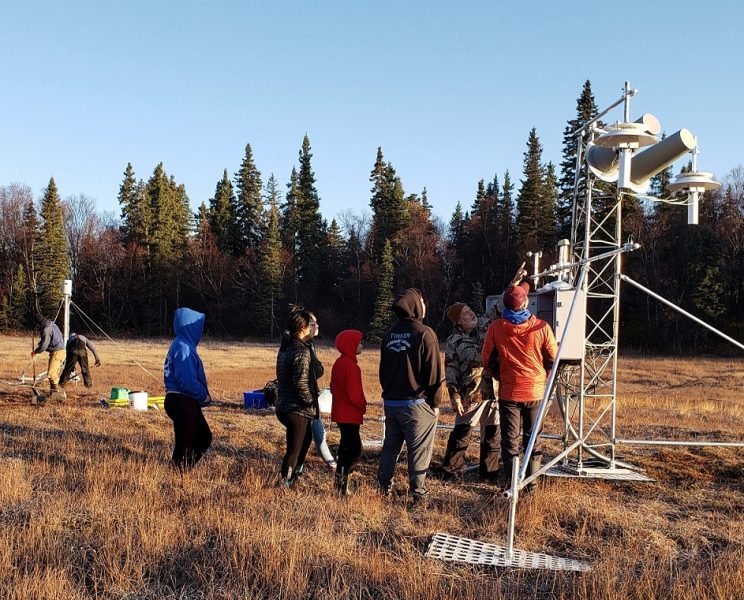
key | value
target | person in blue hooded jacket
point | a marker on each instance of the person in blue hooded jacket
(186, 390)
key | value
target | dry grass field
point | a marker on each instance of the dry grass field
(89, 507)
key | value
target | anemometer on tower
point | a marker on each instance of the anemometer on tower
(582, 303)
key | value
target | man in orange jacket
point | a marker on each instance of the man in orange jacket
(519, 351)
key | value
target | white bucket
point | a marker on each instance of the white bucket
(325, 400)
(138, 400)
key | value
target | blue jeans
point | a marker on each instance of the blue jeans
(319, 437)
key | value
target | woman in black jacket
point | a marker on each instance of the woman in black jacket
(297, 391)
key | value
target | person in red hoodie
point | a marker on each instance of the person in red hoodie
(349, 404)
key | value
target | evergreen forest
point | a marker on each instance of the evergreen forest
(261, 243)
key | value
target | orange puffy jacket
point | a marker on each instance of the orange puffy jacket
(524, 351)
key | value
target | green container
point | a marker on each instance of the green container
(119, 393)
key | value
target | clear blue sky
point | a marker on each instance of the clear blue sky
(449, 89)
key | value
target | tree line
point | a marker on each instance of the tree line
(256, 246)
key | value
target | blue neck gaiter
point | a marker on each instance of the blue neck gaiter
(516, 317)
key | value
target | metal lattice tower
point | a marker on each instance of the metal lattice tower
(608, 171)
(590, 389)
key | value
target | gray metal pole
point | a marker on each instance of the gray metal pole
(679, 443)
(682, 311)
(616, 325)
(588, 124)
(512, 508)
(551, 378)
(626, 100)
(66, 296)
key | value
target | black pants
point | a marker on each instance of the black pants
(350, 446)
(77, 355)
(299, 437)
(457, 446)
(192, 433)
(515, 416)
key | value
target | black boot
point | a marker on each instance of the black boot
(505, 474)
(294, 475)
(454, 456)
(342, 481)
(489, 455)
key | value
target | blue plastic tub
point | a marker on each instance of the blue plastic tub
(254, 399)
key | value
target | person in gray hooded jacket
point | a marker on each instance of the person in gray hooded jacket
(412, 377)
(51, 341)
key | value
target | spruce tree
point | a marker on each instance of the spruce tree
(52, 259)
(494, 191)
(203, 226)
(310, 227)
(479, 195)
(271, 199)
(289, 219)
(249, 210)
(5, 319)
(425, 200)
(168, 239)
(29, 239)
(169, 206)
(136, 214)
(382, 316)
(388, 203)
(530, 200)
(478, 301)
(506, 229)
(507, 209)
(334, 264)
(270, 263)
(18, 313)
(222, 218)
(457, 228)
(549, 206)
(586, 110)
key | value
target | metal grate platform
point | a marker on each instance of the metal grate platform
(615, 474)
(451, 548)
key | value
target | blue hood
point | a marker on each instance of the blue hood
(188, 324)
(183, 371)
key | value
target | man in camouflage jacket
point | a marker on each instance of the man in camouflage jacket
(471, 394)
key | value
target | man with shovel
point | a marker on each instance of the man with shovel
(51, 341)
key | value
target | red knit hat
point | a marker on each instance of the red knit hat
(515, 295)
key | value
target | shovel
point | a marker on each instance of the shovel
(38, 397)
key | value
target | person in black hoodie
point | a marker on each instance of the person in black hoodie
(297, 391)
(412, 378)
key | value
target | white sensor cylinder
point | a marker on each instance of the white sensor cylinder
(658, 157)
(650, 123)
(693, 208)
(624, 168)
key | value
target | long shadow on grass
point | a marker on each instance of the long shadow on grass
(21, 441)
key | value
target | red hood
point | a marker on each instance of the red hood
(347, 342)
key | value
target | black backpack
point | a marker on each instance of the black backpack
(270, 392)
